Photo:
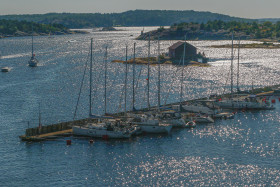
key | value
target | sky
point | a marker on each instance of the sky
(237, 8)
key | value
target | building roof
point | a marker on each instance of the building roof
(178, 44)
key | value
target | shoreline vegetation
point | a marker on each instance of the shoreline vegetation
(163, 61)
(13, 28)
(264, 45)
(129, 18)
(217, 30)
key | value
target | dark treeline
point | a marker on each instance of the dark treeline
(18, 28)
(218, 29)
(129, 18)
(245, 29)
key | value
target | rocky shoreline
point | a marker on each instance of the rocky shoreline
(264, 45)
(22, 34)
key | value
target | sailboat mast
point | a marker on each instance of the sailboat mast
(158, 74)
(231, 69)
(125, 84)
(90, 79)
(32, 42)
(105, 89)
(237, 84)
(148, 79)
(40, 115)
(133, 80)
(182, 74)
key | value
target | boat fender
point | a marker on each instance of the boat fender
(105, 137)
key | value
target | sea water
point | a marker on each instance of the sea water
(240, 151)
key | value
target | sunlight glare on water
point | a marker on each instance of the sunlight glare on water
(244, 151)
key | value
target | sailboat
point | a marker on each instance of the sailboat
(104, 127)
(171, 117)
(33, 62)
(148, 123)
(251, 102)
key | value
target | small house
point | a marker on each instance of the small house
(176, 51)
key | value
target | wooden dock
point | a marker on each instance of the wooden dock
(65, 128)
(46, 136)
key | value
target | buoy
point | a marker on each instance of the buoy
(91, 141)
(273, 101)
(68, 142)
(105, 137)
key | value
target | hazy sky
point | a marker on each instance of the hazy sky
(239, 8)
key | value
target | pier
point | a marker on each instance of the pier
(49, 132)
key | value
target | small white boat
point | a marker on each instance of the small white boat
(6, 69)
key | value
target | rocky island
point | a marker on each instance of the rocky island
(217, 30)
(13, 28)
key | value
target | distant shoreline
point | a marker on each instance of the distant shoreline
(23, 34)
(264, 45)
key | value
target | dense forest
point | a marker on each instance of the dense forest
(23, 28)
(217, 30)
(129, 18)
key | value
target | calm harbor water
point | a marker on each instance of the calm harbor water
(241, 151)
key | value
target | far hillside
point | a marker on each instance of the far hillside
(128, 18)
(217, 30)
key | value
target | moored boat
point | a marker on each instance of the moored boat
(149, 124)
(6, 69)
(198, 118)
(105, 130)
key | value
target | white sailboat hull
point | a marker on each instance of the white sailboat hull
(155, 128)
(175, 122)
(33, 62)
(99, 133)
(242, 105)
(198, 109)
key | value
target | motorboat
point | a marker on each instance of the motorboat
(6, 69)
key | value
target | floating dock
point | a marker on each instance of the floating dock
(53, 131)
